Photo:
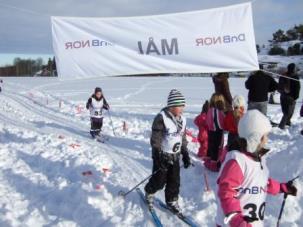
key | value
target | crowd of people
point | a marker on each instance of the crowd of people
(243, 177)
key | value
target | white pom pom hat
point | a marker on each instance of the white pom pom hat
(238, 101)
(252, 126)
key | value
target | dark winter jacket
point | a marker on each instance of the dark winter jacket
(89, 102)
(158, 131)
(290, 87)
(259, 85)
(222, 87)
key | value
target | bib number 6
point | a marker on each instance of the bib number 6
(176, 147)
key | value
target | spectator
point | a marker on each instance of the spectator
(222, 87)
(289, 87)
(259, 84)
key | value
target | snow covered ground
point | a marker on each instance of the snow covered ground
(282, 61)
(53, 174)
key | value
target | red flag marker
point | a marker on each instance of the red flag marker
(99, 186)
(105, 170)
(74, 145)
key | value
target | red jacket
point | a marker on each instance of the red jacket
(230, 123)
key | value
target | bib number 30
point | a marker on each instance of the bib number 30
(253, 211)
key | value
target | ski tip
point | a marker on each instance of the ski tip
(121, 193)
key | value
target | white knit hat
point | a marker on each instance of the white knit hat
(175, 98)
(252, 126)
(238, 101)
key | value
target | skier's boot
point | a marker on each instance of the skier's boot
(149, 200)
(174, 207)
(92, 133)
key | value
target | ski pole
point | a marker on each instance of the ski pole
(111, 120)
(121, 193)
(282, 208)
(283, 203)
(207, 188)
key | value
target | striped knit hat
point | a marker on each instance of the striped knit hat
(175, 98)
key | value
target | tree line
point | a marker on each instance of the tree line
(29, 67)
(294, 34)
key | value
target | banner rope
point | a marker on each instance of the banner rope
(279, 75)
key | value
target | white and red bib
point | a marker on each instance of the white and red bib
(96, 108)
(253, 190)
(172, 141)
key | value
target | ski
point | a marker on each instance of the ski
(101, 138)
(274, 124)
(152, 211)
(182, 217)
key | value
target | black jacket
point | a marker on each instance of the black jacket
(259, 84)
(89, 102)
(158, 131)
(290, 87)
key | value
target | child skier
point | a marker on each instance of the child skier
(215, 117)
(168, 141)
(244, 181)
(233, 117)
(230, 124)
(200, 122)
(95, 104)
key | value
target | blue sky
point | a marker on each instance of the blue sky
(25, 24)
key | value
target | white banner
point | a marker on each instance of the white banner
(214, 40)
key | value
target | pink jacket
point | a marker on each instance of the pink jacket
(200, 122)
(227, 184)
(215, 119)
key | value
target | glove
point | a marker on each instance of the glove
(160, 160)
(89, 103)
(186, 161)
(263, 151)
(106, 107)
(239, 221)
(289, 188)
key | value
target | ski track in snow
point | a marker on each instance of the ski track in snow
(45, 149)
